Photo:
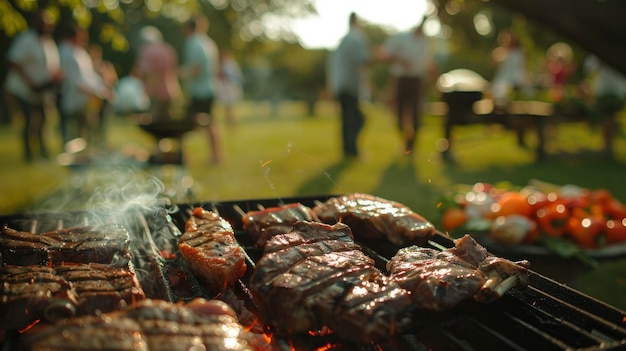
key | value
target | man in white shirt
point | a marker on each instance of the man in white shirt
(412, 63)
(346, 79)
(34, 72)
(80, 84)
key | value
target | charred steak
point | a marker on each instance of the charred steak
(372, 217)
(150, 325)
(316, 276)
(84, 244)
(32, 293)
(209, 246)
(263, 224)
(440, 280)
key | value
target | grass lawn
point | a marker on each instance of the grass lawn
(284, 154)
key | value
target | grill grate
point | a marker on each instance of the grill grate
(546, 316)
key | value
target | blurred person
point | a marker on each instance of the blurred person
(558, 67)
(109, 78)
(34, 72)
(157, 65)
(511, 75)
(346, 78)
(609, 94)
(231, 80)
(130, 96)
(201, 72)
(81, 83)
(412, 58)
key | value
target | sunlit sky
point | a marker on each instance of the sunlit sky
(325, 29)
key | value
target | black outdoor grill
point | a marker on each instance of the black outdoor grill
(547, 315)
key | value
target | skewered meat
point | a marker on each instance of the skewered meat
(85, 244)
(150, 325)
(440, 280)
(263, 224)
(209, 246)
(32, 293)
(316, 276)
(372, 217)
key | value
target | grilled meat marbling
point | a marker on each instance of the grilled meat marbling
(209, 246)
(263, 224)
(32, 293)
(372, 217)
(440, 280)
(316, 276)
(149, 325)
(84, 244)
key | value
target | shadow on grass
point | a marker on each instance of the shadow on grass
(323, 182)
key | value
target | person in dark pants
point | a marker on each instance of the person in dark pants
(412, 64)
(346, 78)
(352, 122)
(34, 71)
(201, 70)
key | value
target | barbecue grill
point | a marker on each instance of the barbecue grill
(547, 315)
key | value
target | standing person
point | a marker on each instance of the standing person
(609, 93)
(158, 66)
(412, 66)
(511, 75)
(558, 68)
(231, 80)
(109, 78)
(81, 83)
(346, 82)
(34, 71)
(201, 69)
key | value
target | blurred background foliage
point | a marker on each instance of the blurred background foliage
(275, 64)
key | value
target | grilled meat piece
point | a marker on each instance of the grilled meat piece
(500, 274)
(85, 244)
(90, 244)
(316, 277)
(440, 280)
(372, 217)
(32, 293)
(23, 248)
(101, 288)
(263, 224)
(209, 246)
(150, 325)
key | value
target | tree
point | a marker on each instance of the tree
(113, 24)
(589, 26)
(597, 26)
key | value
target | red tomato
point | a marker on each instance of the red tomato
(512, 202)
(552, 218)
(453, 218)
(615, 231)
(538, 200)
(601, 197)
(585, 230)
(616, 210)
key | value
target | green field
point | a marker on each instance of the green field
(285, 153)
